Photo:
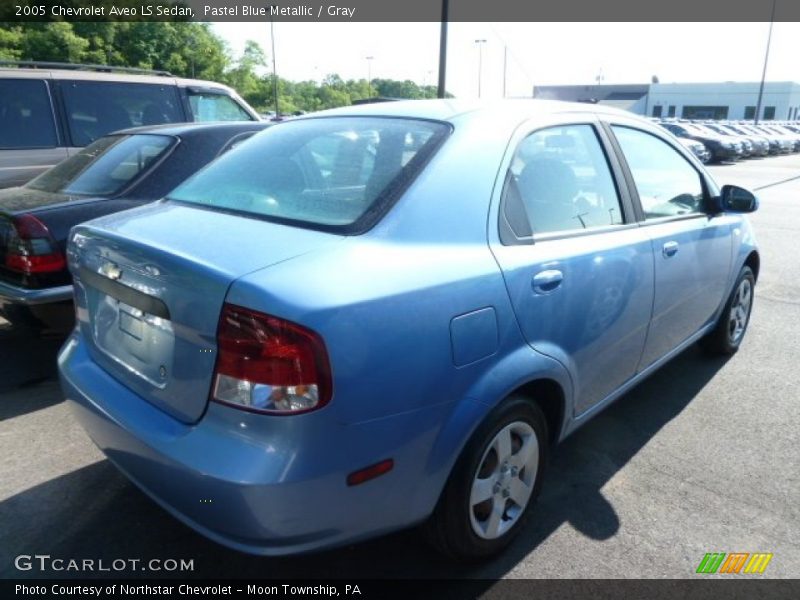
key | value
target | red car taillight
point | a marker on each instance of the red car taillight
(31, 249)
(268, 365)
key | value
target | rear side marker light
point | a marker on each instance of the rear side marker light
(371, 472)
(269, 365)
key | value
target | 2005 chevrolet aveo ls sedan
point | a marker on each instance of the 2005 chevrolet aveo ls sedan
(385, 315)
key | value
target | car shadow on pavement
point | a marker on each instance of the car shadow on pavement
(95, 512)
(26, 358)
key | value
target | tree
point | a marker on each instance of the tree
(188, 49)
(51, 42)
(244, 77)
(10, 43)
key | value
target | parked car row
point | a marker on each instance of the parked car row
(305, 336)
(734, 140)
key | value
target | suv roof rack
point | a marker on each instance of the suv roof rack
(37, 64)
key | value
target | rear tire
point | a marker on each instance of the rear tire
(494, 484)
(727, 335)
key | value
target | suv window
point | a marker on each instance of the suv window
(216, 107)
(97, 108)
(667, 184)
(105, 167)
(336, 174)
(560, 180)
(26, 116)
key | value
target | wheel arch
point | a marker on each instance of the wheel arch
(753, 261)
(548, 394)
(539, 378)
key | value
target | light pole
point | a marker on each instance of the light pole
(369, 74)
(440, 88)
(480, 44)
(274, 68)
(766, 58)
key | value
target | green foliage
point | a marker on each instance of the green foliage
(51, 41)
(10, 43)
(189, 49)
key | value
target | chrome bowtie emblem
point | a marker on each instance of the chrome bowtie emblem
(111, 271)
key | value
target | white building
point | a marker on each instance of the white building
(729, 100)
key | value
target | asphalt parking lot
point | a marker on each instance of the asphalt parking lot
(702, 457)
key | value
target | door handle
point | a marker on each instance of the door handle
(669, 249)
(547, 281)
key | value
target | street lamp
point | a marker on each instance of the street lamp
(480, 44)
(274, 69)
(440, 91)
(369, 74)
(766, 59)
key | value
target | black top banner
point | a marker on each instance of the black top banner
(400, 10)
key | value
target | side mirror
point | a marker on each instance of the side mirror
(736, 199)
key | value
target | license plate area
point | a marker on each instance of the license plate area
(131, 323)
(139, 342)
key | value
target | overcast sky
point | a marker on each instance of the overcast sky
(538, 53)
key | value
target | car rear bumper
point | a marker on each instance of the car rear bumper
(258, 484)
(723, 153)
(12, 294)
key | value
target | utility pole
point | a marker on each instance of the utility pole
(480, 44)
(369, 74)
(505, 67)
(766, 58)
(274, 67)
(443, 51)
(599, 79)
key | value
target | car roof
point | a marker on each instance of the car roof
(112, 76)
(452, 109)
(189, 129)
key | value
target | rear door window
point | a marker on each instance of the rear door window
(95, 109)
(26, 115)
(337, 174)
(105, 167)
(216, 107)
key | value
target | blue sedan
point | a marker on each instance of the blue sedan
(386, 315)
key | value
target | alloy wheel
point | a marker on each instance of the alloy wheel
(740, 311)
(504, 480)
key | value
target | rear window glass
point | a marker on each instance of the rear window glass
(26, 118)
(332, 173)
(105, 167)
(95, 109)
(216, 107)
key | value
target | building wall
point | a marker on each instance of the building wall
(724, 100)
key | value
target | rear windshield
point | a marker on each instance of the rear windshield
(338, 174)
(105, 167)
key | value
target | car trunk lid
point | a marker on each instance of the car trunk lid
(150, 285)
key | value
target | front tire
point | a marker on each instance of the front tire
(727, 335)
(494, 483)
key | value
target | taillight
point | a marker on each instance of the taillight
(268, 365)
(31, 249)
